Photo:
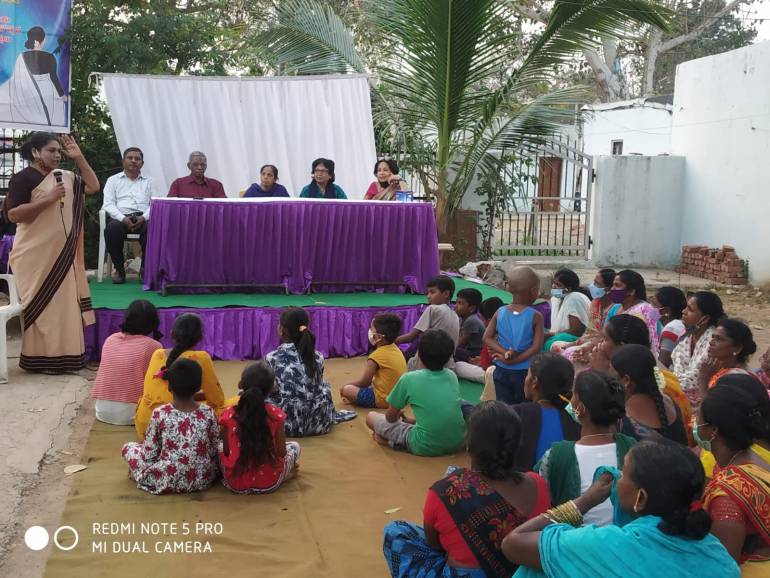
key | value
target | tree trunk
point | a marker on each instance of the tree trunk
(611, 85)
(650, 60)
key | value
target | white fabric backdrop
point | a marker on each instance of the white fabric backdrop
(244, 123)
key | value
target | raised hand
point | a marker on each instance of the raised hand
(71, 148)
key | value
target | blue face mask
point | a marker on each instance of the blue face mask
(558, 293)
(572, 413)
(596, 292)
(705, 444)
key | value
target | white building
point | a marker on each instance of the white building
(722, 127)
(628, 127)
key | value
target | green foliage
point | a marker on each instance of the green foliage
(453, 86)
(726, 33)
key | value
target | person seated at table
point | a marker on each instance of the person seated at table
(322, 185)
(268, 185)
(127, 204)
(388, 181)
(196, 185)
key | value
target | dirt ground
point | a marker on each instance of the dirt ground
(42, 432)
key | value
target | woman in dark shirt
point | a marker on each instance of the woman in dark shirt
(268, 185)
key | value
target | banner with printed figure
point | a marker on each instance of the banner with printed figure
(35, 64)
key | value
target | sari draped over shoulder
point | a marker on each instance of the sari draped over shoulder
(481, 515)
(637, 550)
(48, 264)
(747, 486)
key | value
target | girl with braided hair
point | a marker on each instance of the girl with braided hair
(255, 456)
(598, 402)
(468, 513)
(650, 414)
(186, 333)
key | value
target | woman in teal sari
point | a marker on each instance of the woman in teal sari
(668, 534)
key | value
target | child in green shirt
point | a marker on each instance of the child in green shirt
(438, 427)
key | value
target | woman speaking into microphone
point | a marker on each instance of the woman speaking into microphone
(48, 206)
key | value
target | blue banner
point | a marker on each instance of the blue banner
(35, 64)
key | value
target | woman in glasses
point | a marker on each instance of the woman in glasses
(322, 186)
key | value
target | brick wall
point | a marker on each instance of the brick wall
(720, 265)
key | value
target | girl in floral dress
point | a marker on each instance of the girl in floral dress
(301, 391)
(179, 452)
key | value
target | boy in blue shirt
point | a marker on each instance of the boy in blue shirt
(514, 335)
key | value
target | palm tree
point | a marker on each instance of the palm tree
(450, 82)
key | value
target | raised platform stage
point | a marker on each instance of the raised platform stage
(245, 325)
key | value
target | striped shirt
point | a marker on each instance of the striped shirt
(124, 362)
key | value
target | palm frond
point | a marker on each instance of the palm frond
(310, 38)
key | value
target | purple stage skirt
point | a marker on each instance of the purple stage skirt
(236, 333)
(366, 245)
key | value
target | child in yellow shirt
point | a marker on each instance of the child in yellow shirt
(384, 367)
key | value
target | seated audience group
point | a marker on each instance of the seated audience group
(624, 419)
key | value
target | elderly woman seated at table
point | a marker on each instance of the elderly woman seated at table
(388, 181)
(268, 185)
(322, 186)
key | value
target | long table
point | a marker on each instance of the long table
(297, 245)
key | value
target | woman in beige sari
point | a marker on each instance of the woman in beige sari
(48, 205)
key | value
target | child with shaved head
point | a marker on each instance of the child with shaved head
(514, 335)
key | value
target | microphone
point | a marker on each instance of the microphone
(57, 176)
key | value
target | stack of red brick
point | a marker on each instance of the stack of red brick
(720, 265)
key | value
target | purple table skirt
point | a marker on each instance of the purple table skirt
(291, 243)
(252, 332)
(6, 244)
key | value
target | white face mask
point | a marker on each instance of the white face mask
(372, 339)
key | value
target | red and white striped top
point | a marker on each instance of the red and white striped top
(124, 362)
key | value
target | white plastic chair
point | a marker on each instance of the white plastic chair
(7, 312)
(103, 255)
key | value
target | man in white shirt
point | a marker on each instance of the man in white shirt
(127, 204)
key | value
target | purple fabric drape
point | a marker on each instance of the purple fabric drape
(291, 243)
(252, 332)
(6, 244)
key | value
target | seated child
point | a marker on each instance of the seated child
(179, 453)
(438, 427)
(186, 333)
(255, 456)
(514, 335)
(475, 368)
(125, 356)
(543, 301)
(471, 325)
(384, 368)
(438, 315)
(301, 390)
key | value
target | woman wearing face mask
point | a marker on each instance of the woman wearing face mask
(732, 423)
(569, 309)
(670, 303)
(597, 404)
(667, 535)
(700, 317)
(629, 294)
(597, 314)
(731, 346)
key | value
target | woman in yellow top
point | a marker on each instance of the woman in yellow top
(186, 333)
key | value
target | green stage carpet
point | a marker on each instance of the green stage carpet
(108, 296)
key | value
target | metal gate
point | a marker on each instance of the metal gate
(543, 206)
